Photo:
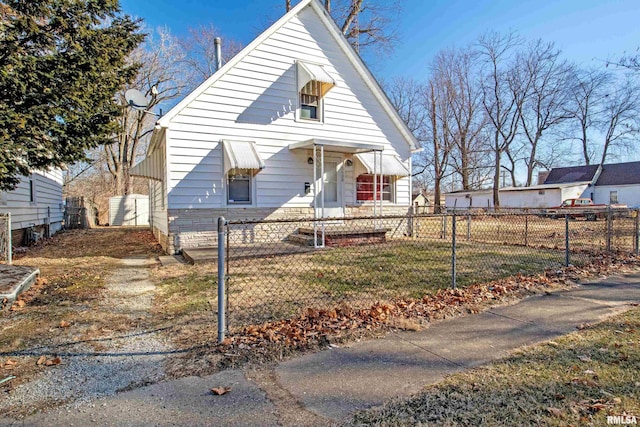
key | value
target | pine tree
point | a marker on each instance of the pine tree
(61, 63)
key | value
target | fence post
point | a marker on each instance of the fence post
(526, 230)
(609, 228)
(9, 240)
(566, 240)
(468, 226)
(453, 250)
(221, 277)
(636, 239)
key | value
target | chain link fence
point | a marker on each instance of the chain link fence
(5, 238)
(276, 268)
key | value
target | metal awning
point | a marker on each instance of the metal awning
(336, 145)
(241, 155)
(312, 72)
(151, 167)
(391, 165)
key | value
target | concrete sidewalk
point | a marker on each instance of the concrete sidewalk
(325, 387)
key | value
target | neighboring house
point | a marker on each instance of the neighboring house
(604, 184)
(618, 183)
(36, 202)
(293, 126)
(421, 203)
(536, 196)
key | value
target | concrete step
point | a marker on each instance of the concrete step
(301, 239)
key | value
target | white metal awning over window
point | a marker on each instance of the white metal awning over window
(151, 167)
(312, 72)
(241, 155)
(391, 165)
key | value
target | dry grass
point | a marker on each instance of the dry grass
(73, 268)
(578, 379)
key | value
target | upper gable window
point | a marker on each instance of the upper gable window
(313, 83)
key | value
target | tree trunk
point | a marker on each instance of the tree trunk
(496, 174)
(437, 194)
(288, 5)
(327, 5)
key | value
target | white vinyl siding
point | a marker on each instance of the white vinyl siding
(628, 194)
(256, 101)
(48, 201)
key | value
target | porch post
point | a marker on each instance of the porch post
(315, 197)
(375, 185)
(322, 190)
(381, 188)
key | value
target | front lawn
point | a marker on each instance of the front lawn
(579, 379)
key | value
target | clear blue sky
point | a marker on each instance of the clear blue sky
(583, 29)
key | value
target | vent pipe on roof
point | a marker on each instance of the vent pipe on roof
(217, 42)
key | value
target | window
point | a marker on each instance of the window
(613, 197)
(310, 101)
(313, 83)
(32, 190)
(364, 188)
(238, 187)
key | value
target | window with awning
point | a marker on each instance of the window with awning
(391, 165)
(313, 83)
(241, 163)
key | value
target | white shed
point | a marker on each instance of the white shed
(129, 210)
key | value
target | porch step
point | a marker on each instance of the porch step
(301, 239)
(340, 236)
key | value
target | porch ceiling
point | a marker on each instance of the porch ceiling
(336, 145)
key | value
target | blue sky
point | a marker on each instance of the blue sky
(587, 31)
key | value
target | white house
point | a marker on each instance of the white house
(618, 183)
(36, 202)
(295, 125)
(536, 196)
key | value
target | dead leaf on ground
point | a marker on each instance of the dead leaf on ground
(64, 324)
(53, 362)
(219, 391)
(584, 358)
(555, 412)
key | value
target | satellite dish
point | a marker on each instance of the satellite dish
(136, 99)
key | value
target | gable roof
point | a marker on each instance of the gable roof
(332, 28)
(572, 174)
(620, 174)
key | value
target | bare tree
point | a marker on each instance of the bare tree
(457, 71)
(502, 95)
(543, 108)
(586, 95)
(199, 57)
(406, 95)
(160, 79)
(620, 118)
(367, 24)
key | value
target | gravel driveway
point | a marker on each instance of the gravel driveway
(114, 362)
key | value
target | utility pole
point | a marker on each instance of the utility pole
(288, 5)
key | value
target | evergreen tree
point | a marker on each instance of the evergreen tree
(61, 63)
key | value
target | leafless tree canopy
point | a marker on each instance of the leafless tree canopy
(504, 107)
